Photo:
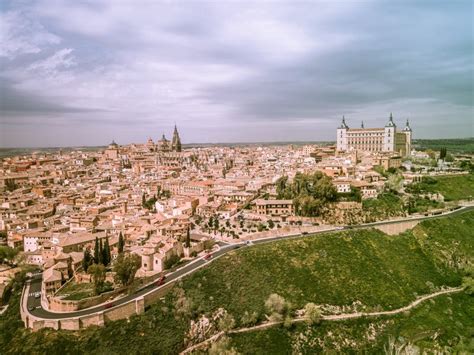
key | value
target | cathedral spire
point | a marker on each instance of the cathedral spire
(176, 142)
(362, 125)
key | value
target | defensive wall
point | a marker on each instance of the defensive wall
(121, 311)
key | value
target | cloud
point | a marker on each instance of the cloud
(19, 35)
(225, 71)
(61, 59)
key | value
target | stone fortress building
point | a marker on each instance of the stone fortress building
(377, 140)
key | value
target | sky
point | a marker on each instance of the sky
(76, 73)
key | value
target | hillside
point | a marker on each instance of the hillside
(352, 270)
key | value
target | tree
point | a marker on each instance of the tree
(431, 154)
(216, 223)
(7, 254)
(121, 243)
(87, 260)
(468, 281)
(442, 153)
(394, 182)
(125, 268)
(187, 244)
(271, 224)
(275, 304)
(101, 252)
(97, 271)
(106, 257)
(96, 251)
(70, 272)
(222, 347)
(312, 313)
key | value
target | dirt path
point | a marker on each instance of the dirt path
(334, 317)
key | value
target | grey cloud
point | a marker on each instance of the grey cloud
(14, 102)
(362, 59)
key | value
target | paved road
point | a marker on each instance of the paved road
(35, 308)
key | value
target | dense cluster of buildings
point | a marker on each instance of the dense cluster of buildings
(54, 206)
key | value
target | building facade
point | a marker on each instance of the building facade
(378, 140)
(274, 207)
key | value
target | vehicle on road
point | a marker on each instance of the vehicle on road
(37, 295)
(30, 308)
(248, 242)
(161, 280)
(208, 257)
(109, 305)
(304, 233)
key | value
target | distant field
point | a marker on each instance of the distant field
(11, 152)
(464, 145)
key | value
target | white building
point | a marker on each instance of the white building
(386, 140)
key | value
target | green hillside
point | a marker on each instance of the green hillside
(445, 325)
(363, 267)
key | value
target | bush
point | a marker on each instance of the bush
(226, 322)
(249, 319)
(173, 259)
(276, 304)
(312, 313)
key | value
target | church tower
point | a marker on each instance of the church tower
(389, 135)
(341, 140)
(176, 142)
(408, 135)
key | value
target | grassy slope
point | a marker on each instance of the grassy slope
(368, 266)
(436, 324)
(453, 188)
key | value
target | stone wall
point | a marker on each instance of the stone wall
(57, 304)
(397, 228)
(120, 312)
(155, 295)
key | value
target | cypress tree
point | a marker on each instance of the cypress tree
(188, 239)
(101, 253)
(106, 252)
(87, 260)
(96, 251)
(121, 243)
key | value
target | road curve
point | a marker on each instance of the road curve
(35, 308)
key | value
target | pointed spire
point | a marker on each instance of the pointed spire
(362, 125)
(343, 123)
(407, 126)
(390, 121)
(176, 141)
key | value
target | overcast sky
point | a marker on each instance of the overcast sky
(86, 72)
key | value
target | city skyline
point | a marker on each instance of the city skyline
(82, 74)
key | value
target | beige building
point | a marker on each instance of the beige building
(387, 139)
(274, 207)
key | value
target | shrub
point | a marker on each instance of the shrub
(312, 313)
(249, 319)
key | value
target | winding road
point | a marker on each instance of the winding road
(33, 286)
